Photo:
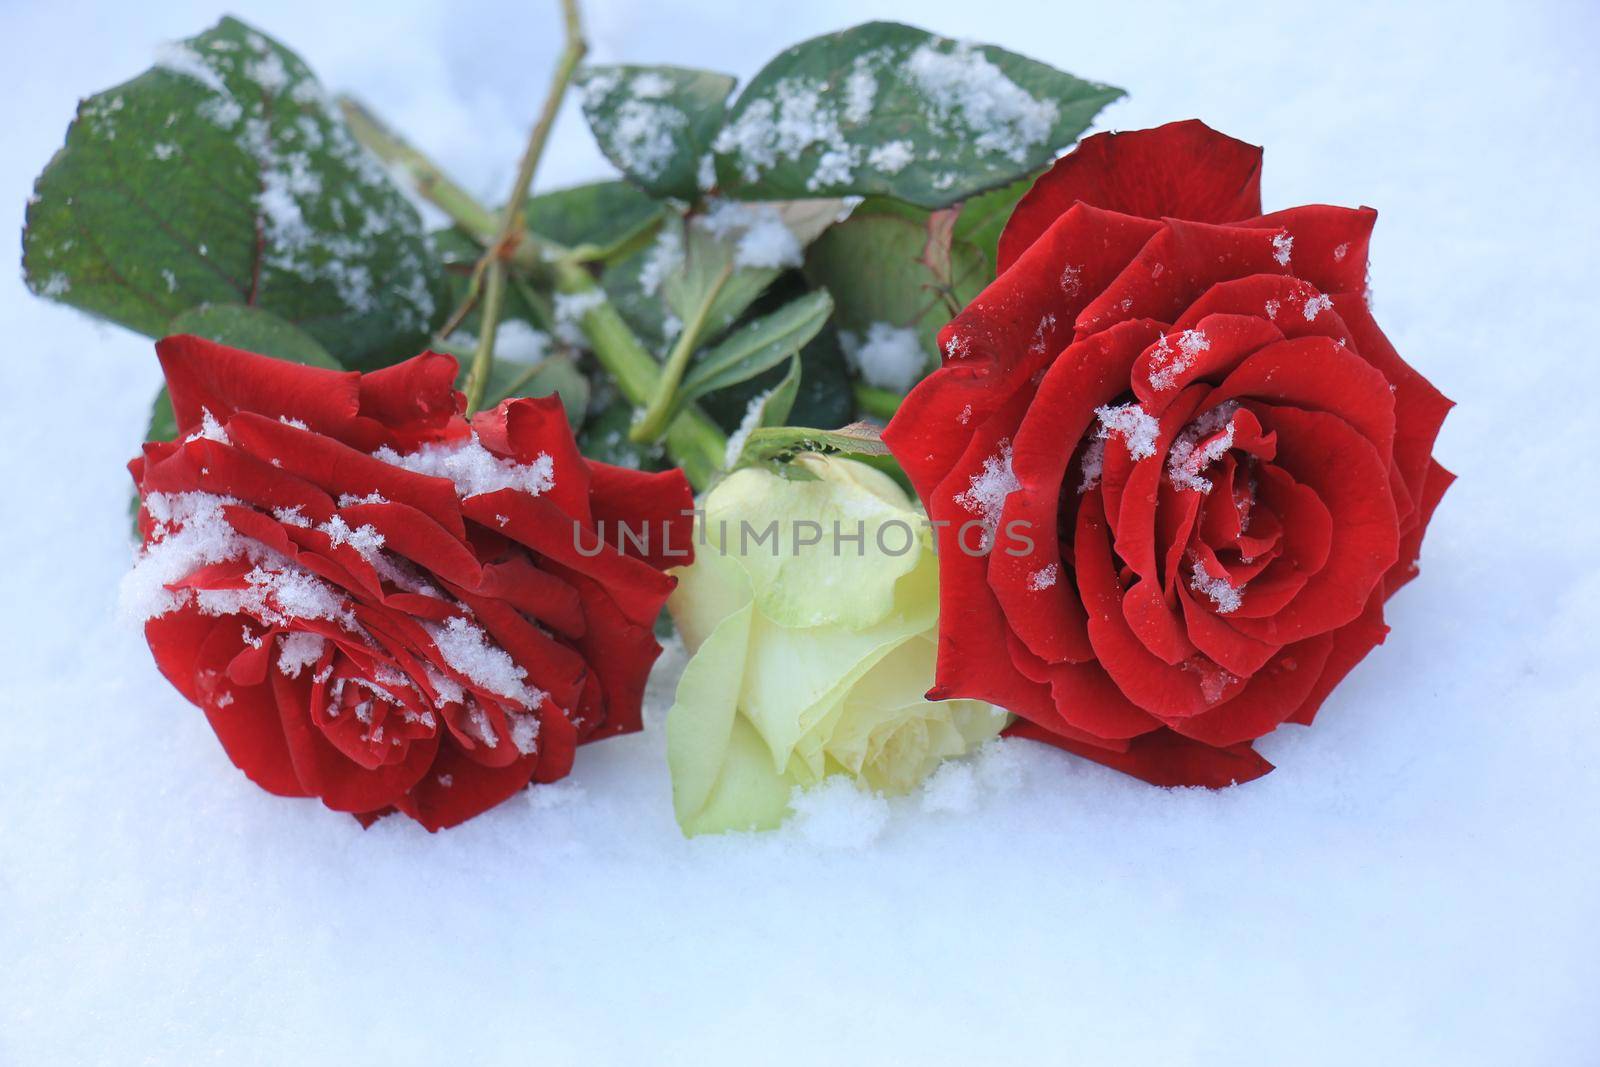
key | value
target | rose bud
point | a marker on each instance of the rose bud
(380, 604)
(810, 610)
(1226, 467)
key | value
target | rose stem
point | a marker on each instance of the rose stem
(695, 442)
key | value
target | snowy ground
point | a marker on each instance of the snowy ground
(1417, 883)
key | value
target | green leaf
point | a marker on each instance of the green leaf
(757, 346)
(656, 123)
(223, 175)
(984, 216)
(729, 256)
(243, 327)
(253, 330)
(891, 110)
(779, 402)
(823, 399)
(777, 442)
(604, 216)
(892, 264)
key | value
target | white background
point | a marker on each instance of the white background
(1417, 884)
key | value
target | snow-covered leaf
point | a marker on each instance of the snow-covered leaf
(656, 123)
(887, 109)
(222, 175)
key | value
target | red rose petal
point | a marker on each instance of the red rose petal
(205, 376)
(1183, 170)
(1179, 263)
(1347, 474)
(1164, 758)
(996, 345)
(1270, 697)
(619, 497)
(1049, 618)
(1330, 244)
(1317, 374)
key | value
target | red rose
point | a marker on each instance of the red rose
(1223, 466)
(385, 607)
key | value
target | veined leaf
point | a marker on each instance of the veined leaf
(757, 346)
(223, 175)
(776, 442)
(656, 123)
(890, 110)
(605, 216)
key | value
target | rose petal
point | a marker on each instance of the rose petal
(1164, 758)
(1185, 170)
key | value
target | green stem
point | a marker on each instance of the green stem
(494, 294)
(879, 403)
(434, 185)
(695, 443)
(649, 426)
(511, 228)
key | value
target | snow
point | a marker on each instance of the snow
(986, 492)
(973, 97)
(468, 651)
(1132, 424)
(1226, 597)
(1415, 884)
(473, 469)
(889, 356)
(759, 236)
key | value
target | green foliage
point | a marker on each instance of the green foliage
(222, 175)
(656, 123)
(884, 109)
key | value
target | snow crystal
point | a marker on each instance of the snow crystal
(891, 157)
(474, 469)
(292, 516)
(364, 539)
(1045, 577)
(648, 85)
(570, 308)
(1316, 305)
(517, 342)
(524, 732)
(1272, 307)
(761, 239)
(986, 492)
(181, 59)
(1341, 251)
(350, 500)
(210, 429)
(1138, 429)
(1187, 460)
(962, 85)
(644, 135)
(747, 425)
(1226, 597)
(860, 90)
(889, 357)
(299, 650)
(1167, 364)
(1071, 280)
(767, 132)
(837, 814)
(190, 531)
(1282, 246)
(664, 257)
(470, 653)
